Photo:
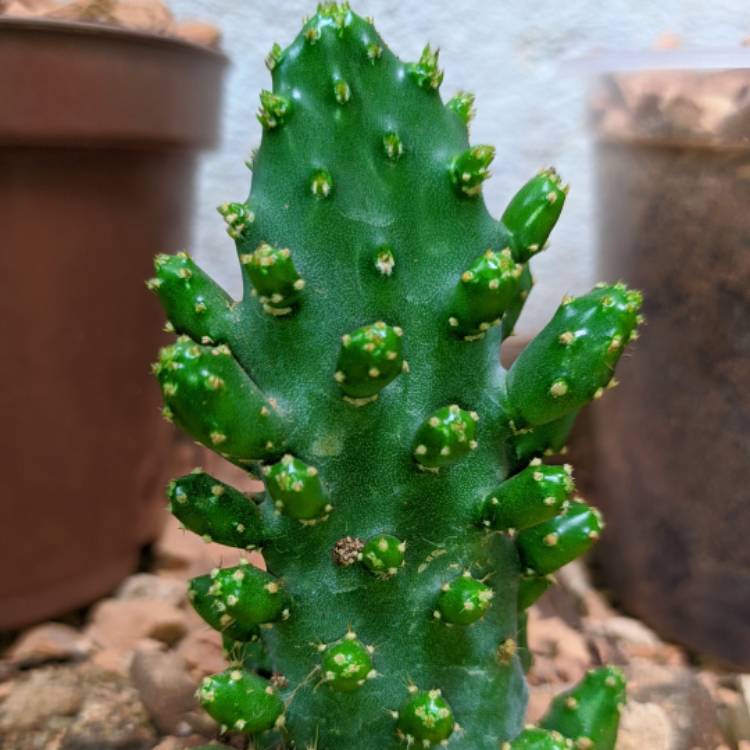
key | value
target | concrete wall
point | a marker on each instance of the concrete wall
(515, 55)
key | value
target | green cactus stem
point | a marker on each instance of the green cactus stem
(515, 308)
(210, 396)
(274, 110)
(446, 437)
(426, 72)
(573, 359)
(369, 359)
(295, 488)
(426, 718)
(208, 604)
(534, 495)
(463, 105)
(241, 701)
(471, 168)
(195, 304)
(483, 293)
(463, 600)
(238, 218)
(365, 234)
(532, 214)
(216, 511)
(548, 546)
(249, 596)
(384, 554)
(347, 665)
(589, 713)
(530, 589)
(271, 270)
(538, 739)
(543, 440)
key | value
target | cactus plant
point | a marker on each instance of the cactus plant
(408, 519)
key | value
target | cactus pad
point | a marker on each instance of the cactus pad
(408, 519)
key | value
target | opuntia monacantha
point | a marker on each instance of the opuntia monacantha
(408, 519)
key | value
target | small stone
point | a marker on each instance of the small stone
(645, 725)
(112, 716)
(145, 15)
(197, 32)
(182, 743)
(629, 637)
(560, 652)
(51, 641)
(150, 586)
(165, 688)
(27, 8)
(42, 694)
(203, 652)
(121, 623)
(683, 697)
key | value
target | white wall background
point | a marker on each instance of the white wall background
(515, 55)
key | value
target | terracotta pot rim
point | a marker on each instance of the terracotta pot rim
(115, 33)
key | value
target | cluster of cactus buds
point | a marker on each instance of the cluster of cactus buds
(409, 518)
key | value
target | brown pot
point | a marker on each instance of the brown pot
(672, 447)
(99, 130)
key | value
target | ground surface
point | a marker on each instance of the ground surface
(122, 675)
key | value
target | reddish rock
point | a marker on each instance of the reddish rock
(165, 688)
(150, 586)
(181, 743)
(28, 8)
(51, 641)
(121, 623)
(74, 707)
(145, 15)
(198, 33)
(39, 696)
(203, 653)
(560, 653)
(678, 691)
(646, 726)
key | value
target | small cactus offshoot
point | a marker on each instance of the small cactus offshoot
(409, 518)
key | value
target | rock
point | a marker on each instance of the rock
(145, 15)
(113, 660)
(117, 660)
(111, 718)
(28, 8)
(619, 638)
(646, 726)
(203, 652)
(560, 653)
(121, 623)
(74, 707)
(197, 32)
(165, 688)
(684, 699)
(150, 586)
(627, 630)
(51, 641)
(181, 743)
(39, 696)
(740, 708)
(574, 582)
